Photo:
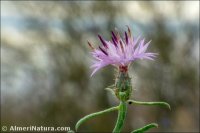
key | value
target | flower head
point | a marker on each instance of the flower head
(120, 52)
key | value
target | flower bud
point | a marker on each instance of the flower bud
(123, 87)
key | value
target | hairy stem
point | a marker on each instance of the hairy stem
(121, 117)
(87, 117)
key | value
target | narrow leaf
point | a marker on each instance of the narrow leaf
(87, 117)
(111, 86)
(110, 90)
(71, 131)
(150, 103)
(145, 128)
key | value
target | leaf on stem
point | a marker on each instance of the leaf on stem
(145, 128)
(71, 131)
(110, 89)
(150, 103)
(87, 117)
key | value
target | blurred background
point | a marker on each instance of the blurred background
(45, 63)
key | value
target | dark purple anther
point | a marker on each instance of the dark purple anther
(115, 38)
(122, 48)
(114, 42)
(102, 41)
(90, 45)
(126, 37)
(103, 51)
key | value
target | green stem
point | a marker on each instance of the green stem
(87, 117)
(121, 117)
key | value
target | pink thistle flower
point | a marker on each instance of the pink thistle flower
(120, 52)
